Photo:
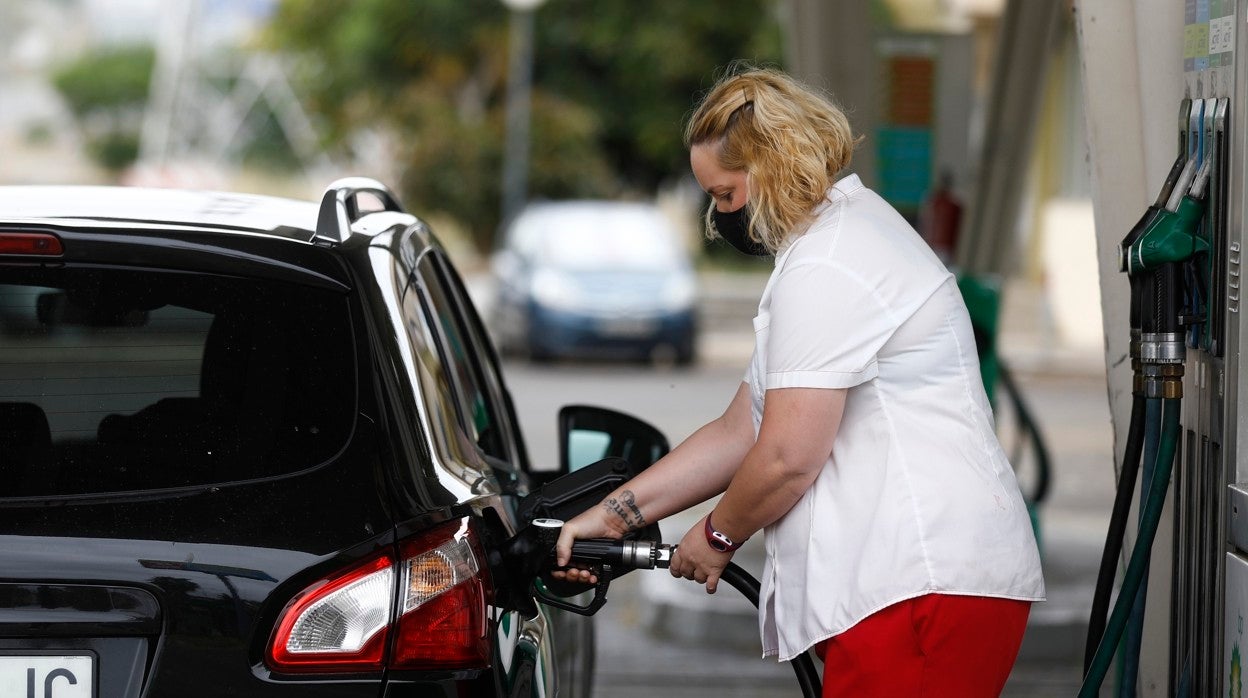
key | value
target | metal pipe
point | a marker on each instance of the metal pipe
(515, 184)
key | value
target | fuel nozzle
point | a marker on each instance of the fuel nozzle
(609, 558)
(1156, 258)
(1171, 236)
(625, 554)
(523, 563)
(1142, 283)
(520, 560)
(533, 545)
(1180, 170)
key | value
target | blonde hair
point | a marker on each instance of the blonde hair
(790, 140)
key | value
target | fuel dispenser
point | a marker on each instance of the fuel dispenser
(1182, 263)
(1159, 255)
(1209, 578)
(1202, 561)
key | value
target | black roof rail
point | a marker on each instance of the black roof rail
(339, 208)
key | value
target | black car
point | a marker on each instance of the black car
(252, 446)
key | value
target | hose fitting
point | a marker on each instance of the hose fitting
(1161, 360)
(1163, 380)
(1162, 348)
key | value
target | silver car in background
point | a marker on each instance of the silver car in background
(595, 279)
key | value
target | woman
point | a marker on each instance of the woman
(861, 440)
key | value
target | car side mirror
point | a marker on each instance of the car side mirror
(589, 434)
(599, 450)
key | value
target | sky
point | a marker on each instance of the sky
(139, 20)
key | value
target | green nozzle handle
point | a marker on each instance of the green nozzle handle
(1171, 238)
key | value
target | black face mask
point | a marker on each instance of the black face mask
(734, 228)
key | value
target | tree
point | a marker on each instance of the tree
(106, 90)
(640, 65)
(612, 83)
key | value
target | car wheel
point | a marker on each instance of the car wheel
(539, 351)
(685, 353)
(540, 355)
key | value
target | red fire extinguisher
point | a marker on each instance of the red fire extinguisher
(940, 217)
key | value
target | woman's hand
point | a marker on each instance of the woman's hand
(591, 523)
(694, 559)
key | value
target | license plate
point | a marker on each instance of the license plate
(47, 676)
(627, 328)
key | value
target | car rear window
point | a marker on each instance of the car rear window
(119, 380)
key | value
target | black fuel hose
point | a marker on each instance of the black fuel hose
(1133, 578)
(1117, 526)
(651, 554)
(803, 666)
(1027, 425)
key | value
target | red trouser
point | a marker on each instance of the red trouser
(932, 646)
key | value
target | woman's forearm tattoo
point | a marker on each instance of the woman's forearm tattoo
(626, 508)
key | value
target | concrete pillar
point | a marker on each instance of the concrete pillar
(831, 45)
(1025, 44)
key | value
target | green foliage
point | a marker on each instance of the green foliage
(107, 79)
(106, 90)
(360, 56)
(613, 82)
(640, 65)
(38, 133)
(266, 146)
(114, 150)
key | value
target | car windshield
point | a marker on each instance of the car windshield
(606, 238)
(117, 380)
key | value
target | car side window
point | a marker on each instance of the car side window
(435, 383)
(479, 415)
(485, 361)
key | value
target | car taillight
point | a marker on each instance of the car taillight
(442, 620)
(30, 244)
(342, 622)
(339, 623)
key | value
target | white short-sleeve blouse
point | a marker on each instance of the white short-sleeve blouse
(917, 496)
